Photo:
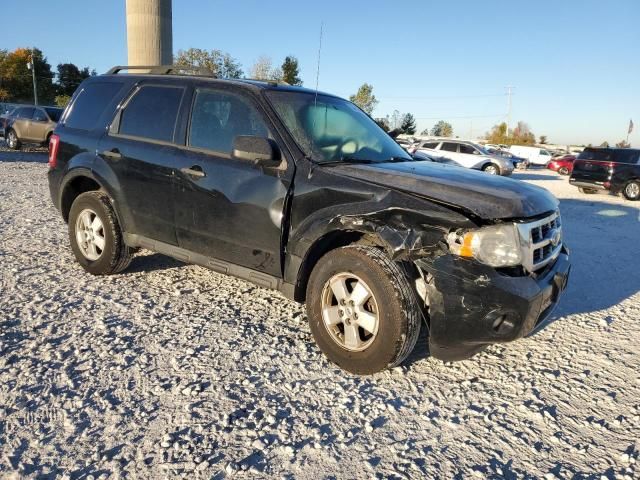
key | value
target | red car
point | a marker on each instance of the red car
(563, 165)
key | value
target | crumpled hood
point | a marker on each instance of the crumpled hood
(487, 196)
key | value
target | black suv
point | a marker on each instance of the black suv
(614, 169)
(302, 192)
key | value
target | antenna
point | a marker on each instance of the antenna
(318, 70)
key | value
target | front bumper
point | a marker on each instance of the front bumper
(472, 305)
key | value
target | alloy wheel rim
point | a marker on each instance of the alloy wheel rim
(350, 312)
(633, 190)
(90, 234)
(491, 170)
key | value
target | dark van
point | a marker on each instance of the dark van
(614, 169)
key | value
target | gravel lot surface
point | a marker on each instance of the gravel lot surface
(169, 370)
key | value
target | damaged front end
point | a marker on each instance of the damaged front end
(479, 286)
(497, 284)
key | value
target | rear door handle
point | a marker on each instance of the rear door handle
(194, 171)
(113, 154)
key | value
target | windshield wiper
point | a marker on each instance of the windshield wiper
(346, 160)
(400, 159)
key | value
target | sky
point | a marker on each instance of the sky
(574, 65)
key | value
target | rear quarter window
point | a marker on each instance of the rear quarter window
(89, 105)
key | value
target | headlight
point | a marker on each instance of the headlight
(496, 246)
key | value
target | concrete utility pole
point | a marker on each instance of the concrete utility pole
(509, 108)
(149, 32)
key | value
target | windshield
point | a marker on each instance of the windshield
(331, 129)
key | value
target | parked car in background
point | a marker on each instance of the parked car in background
(616, 170)
(466, 154)
(31, 125)
(4, 119)
(563, 165)
(535, 155)
(518, 162)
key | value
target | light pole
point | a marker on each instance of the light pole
(32, 66)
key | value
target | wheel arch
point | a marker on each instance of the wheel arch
(323, 245)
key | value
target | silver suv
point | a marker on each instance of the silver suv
(465, 154)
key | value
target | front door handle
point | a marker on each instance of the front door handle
(113, 154)
(194, 171)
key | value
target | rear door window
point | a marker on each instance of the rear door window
(152, 112)
(40, 116)
(431, 145)
(449, 147)
(89, 105)
(217, 118)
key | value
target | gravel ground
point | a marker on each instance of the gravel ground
(170, 370)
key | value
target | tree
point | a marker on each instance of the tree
(263, 69)
(290, 71)
(17, 77)
(365, 98)
(62, 100)
(543, 139)
(498, 134)
(442, 129)
(4, 95)
(605, 144)
(425, 132)
(408, 125)
(220, 63)
(69, 77)
(383, 122)
(623, 144)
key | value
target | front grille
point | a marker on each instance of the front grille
(541, 241)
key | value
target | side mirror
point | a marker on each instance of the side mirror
(258, 150)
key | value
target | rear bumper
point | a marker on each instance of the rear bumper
(586, 184)
(472, 306)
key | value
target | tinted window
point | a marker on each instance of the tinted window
(430, 145)
(449, 147)
(90, 104)
(40, 116)
(25, 112)
(54, 113)
(468, 149)
(152, 113)
(217, 118)
(627, 156)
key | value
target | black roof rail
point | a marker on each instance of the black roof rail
(163, 69)
(274, 83)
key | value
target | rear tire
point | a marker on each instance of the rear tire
(631, 190)
(588, 191)
(375, 324)
(13, 142)
(95, 235)
(563, 171)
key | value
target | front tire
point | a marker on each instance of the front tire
(631, 190)
(362, 310)
(95, 235)
(491, 169)
(13, 142)
(563, 171)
